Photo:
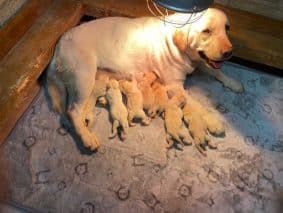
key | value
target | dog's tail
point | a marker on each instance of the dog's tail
(56, 89)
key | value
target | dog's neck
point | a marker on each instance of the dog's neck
(178, 53)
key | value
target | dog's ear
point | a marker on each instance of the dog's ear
(180, 40)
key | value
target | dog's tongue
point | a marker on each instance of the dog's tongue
(216, 64)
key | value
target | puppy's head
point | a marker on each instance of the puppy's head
(126, 86)
(149, 77)
(179, 100)
(113, 84)
(206, 39)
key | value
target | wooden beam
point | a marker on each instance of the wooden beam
(15, 28)
(20, 69)
(255, 38)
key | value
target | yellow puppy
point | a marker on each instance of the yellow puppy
(173, 116)
(118, 110)
(198, 124)
(147, 92)
(134, 101)
(160, 99)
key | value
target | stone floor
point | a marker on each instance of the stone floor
(49, 172)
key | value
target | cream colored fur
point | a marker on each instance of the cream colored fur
(129, 48)
(118, 110)
(203, 121)
(160, 99)
(145, 85)
(134, 102)
(173, 117)
(98, 95)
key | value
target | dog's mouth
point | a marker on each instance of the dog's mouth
(214, 64)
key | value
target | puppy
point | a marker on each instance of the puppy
(118, 110)
(130, 48)
(198, 124)
(145, 86)
(160, 99)
(173, 117)
(134, 102)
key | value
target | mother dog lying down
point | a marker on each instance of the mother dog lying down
(128, 48)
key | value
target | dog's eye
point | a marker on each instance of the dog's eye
(207, 31)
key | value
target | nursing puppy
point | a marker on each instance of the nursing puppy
(129, 48)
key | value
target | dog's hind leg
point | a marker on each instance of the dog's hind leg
(56, 89)
(57, 96)
(80, 86)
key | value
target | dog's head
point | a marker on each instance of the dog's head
(206, 39)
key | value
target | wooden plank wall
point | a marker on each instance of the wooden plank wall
(22, 66)
(269, 8)
(11, 32)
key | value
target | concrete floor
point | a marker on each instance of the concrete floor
(49, 172)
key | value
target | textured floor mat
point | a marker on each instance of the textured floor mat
(50, 172)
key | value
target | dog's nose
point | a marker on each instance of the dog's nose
(227, 54)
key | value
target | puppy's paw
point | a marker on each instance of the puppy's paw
(146, 121)
(214, 125)
(198, 129)
(102, 101)
(132, 124)
(198, 126)
(152, 112)
(174, 140)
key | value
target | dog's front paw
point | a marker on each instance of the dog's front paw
(91, 142)
(234, 85)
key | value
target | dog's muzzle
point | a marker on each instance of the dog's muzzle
(215, 64)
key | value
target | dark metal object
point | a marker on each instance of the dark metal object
(185, 6)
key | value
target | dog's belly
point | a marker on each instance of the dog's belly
(164, 67)
(127, 47)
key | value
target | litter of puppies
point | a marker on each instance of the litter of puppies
(144, 100)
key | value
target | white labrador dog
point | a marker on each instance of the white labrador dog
(128, 48)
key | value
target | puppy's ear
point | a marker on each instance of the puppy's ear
(180, 40)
